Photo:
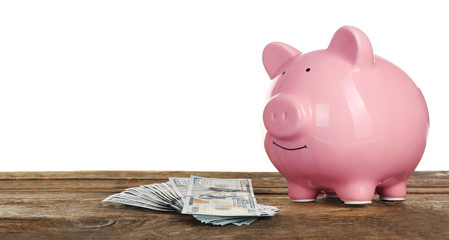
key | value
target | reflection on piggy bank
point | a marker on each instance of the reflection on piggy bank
(342, 120)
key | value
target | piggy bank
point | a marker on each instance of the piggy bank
(342, 121)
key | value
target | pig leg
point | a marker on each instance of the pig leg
(356, 192)
(393, 191)
(302, 192)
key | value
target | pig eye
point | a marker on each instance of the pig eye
(283, 72)
(308, 70)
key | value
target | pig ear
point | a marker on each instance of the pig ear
(275, 57)
(353, 45)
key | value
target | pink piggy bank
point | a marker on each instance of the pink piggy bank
(343, 121)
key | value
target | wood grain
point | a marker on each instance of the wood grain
(67, 205)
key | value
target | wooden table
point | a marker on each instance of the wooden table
(67, 205)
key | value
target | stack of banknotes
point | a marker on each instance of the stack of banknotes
(210, 200)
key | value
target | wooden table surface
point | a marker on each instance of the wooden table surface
(67, 205)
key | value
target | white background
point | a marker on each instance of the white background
(180, 85)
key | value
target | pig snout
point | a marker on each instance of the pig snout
(282, 117)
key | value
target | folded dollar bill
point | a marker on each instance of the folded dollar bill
(209, 200)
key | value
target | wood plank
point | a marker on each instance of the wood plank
(425, 178)
(327, 218)
(155, 175)
(117, 181)
(67, 205)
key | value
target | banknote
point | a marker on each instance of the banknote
(160, 197)
(181, 185)
(231, 201)
(265, 211)
(220, 197)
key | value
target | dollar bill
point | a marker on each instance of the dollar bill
(160, 197)
(220, 197)
(230, 201)
(181, 185)
(265, 211)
